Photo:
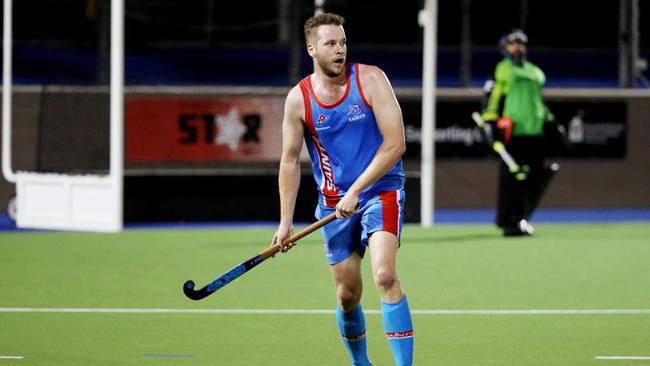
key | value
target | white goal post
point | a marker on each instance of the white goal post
(428, 19)
(67, 201)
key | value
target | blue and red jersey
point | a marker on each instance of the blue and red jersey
(342, 139)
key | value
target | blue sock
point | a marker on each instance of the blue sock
(353, 332)
(399, 330)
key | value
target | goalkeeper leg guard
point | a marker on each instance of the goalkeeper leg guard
(539, 182)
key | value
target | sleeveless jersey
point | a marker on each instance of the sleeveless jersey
(342, 140)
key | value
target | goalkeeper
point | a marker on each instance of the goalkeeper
(517, 115)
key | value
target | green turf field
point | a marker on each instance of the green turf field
(599, 267)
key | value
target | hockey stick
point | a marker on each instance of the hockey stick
(519, 172)
(233, 274)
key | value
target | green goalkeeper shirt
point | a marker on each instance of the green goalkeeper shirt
(521, 89)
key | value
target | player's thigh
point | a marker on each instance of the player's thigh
(347, 273)
(383, 253)
(348, 282)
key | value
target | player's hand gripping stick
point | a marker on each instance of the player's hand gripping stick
(519, 172)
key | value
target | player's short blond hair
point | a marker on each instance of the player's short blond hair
(321, 19)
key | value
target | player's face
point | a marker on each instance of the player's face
(516, 49)
(330, 49)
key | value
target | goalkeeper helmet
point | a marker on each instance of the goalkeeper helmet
(512, 36)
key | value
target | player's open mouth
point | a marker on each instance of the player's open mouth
(339, 61)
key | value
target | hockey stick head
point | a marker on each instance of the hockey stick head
(188, 290)
(239, 270)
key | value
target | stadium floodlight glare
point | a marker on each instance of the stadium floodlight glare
(66, 201)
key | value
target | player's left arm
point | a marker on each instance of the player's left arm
(379, 94)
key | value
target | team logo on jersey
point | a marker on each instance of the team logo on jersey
(322, 123)
(355, 113)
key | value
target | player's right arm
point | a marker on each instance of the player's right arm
(289, 176)
(499, 125)
(502, 81)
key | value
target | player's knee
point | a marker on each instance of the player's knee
(385, 278)
(348, 297)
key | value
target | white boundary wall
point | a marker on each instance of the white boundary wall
(61, 201)
(67, 202)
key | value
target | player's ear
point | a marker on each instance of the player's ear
(311, 50)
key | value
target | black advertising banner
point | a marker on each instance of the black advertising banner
(596, 129)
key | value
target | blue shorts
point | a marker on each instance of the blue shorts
(382, 212)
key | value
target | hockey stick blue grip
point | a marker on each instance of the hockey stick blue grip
(239, 270)
(226, 278)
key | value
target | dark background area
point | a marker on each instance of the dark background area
(550, 23)
(221, 42)
(260, 43)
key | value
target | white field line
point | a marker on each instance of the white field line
(11, 357)
(622, 358)
(168, 355)
(324, 311)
